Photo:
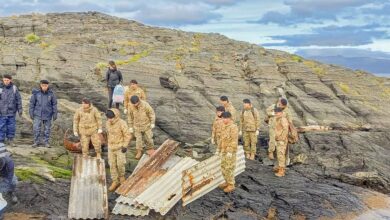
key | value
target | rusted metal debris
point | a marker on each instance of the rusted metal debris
(173, 179)
(151, 170)
(88, 191)
(75, 146)
(206, 176)
(160, 196)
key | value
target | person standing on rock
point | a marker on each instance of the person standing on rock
(281, 125)
(142, 120)
(42, 110)
(217, 127)
(118, 137)
(281, 103)
(10, 103)
(249, 128)
(133, 90)
(229, 144)
(229, 107)
(113, 78)
(87, 122)
(8, 179)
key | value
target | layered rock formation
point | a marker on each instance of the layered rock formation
(185, 74)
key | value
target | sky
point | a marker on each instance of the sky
(311, 28)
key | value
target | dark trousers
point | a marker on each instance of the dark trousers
(37, 130)
(110, 93)
(7, 127)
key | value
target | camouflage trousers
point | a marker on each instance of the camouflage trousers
(86, 139)
(271, 143)
(228, 166)
(281, 147)
(144, 137)
(250, 141)
(117, 162)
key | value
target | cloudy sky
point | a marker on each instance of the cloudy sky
(312, 28)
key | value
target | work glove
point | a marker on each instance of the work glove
(240, 133)
(229, 155)
(257, 133)
(152, 126)
(100, 131)
(125, 111)
(212, 140)
(124, 150)
(131, 130)
(75, 134)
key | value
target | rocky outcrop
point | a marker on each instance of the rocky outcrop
(185, 74)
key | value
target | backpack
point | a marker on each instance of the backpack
(253, 113)
(293, 136)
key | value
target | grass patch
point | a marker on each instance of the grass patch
(28, 174)
(315, 67)
(56, 172)
(32, 38)
(101, 65)
(296, 58)
(344, 87)
(44, 45)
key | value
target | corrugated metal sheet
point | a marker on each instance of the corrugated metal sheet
(127, 205)
(149, 172)
(206, 176)
(166, 191)
(124, 209)
(88, 192)
(176, 178)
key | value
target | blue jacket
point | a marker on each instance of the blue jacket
(43, 104)
(10, 100)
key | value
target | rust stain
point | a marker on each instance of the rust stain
(150, 171)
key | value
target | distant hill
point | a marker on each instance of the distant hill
(377, 63)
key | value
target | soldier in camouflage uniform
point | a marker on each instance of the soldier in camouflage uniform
(282, 103)
(249, 128)
(87, 123)
(141, 119)
(229, 107)
(133, 90)
(281, 125)
(228, 144)
(217, 127)
(118, 138)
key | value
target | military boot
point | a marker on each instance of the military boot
(139, 154)
(229, 188)
(247, 155)
(252, 156)
(275, 169)
(281, 172)
(271, 155)
(113, 186)
(122, 179)
(223, 185)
